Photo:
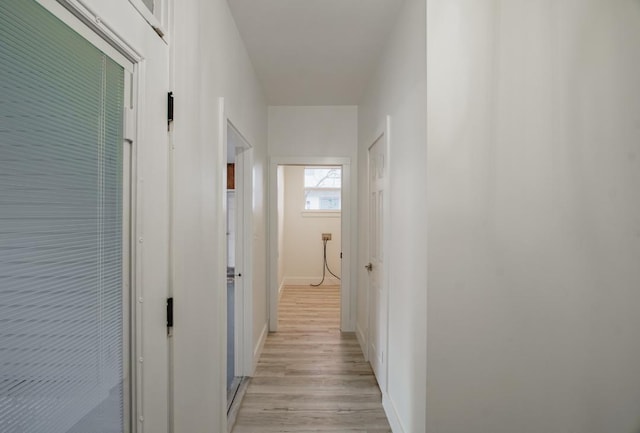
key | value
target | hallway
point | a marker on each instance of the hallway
(312, 377)
(490, 168)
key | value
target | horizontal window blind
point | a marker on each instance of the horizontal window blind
(61, 318)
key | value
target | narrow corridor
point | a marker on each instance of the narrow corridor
(312, 377)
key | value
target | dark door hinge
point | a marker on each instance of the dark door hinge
(169, 109)
(169, 313)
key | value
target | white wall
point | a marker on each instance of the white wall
(260, 243)
(313, 131)
(302, 249)
(209, 61)
(534, 216)
(398, 89)
(321, 132)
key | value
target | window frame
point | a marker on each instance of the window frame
(321, 212)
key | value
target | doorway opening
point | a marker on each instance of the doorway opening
(310, 222)
(238, 261)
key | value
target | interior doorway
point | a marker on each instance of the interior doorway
(309, 213)
(238, 259)
(310, 222)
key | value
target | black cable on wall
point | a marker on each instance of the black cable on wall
(325, 265)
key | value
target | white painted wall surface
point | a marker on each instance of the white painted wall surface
(302, 244)
(313, 131)
(260, 241)
(398, 89)
(534, 216)
(210, 61)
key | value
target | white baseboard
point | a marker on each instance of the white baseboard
(362, 339)
(392, 414)
(305, 281)
(257, 351)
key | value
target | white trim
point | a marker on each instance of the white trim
(257, 351)
(137, 227)
(246, 368)
(97, 31)
(386, 244)
(362, 340)
(220, 310)
(128, 298)
(392, 414)
(347, 297)
(280, 290)
(273, 297)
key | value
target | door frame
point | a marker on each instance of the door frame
(347, 290)
(243, 287)
(382, 132)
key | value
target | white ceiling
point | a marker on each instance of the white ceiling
(314, 52)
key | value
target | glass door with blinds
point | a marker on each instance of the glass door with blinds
(64, 319)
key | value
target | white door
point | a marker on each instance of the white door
(377, 287)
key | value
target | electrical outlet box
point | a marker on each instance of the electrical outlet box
(326, 236)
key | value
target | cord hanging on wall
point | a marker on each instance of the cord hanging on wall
(325, 265)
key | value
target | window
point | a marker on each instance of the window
(322, 188)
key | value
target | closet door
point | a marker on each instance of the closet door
(63, 322)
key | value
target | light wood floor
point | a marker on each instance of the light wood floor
(311, 377)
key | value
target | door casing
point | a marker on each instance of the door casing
(244, 245)
(347, 292)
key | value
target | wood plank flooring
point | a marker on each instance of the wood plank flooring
(311, 377)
